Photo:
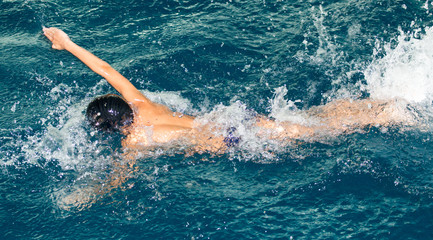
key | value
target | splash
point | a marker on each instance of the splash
(332, 57)
(257, 142)
(405, 71)
(171, 99)
(63, 138)
(285, 110)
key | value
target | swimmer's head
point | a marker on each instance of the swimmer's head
(109, 113)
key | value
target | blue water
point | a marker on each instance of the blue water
(223, 58)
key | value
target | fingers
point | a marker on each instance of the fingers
(58, 38)
(45, 30)
(48, 29)
(48, 32)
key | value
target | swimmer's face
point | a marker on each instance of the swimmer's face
(110, 113)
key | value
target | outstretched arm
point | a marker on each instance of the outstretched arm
(61, 41)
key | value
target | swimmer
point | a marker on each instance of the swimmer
(145, 123)
(132, 113)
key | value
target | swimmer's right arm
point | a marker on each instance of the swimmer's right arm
(61, 41)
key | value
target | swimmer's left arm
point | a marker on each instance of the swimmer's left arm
(61, 41)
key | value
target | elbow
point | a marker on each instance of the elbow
(104, 69)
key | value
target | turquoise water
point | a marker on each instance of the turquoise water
(217, 60)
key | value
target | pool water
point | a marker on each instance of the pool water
(218, 61)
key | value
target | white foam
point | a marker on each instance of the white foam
(255, 144)
(285, 110)
(406, 70)
(237, 116)
(171, 99)
(67, 143)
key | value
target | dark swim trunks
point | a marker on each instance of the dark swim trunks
(231, 140)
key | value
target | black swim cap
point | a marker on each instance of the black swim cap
(109, 113)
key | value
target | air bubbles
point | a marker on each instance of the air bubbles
(184, 68)
(14, 107)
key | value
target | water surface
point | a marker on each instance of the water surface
(218, 59)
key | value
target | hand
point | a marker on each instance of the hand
(57, 37)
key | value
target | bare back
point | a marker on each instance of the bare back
(156, 123)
